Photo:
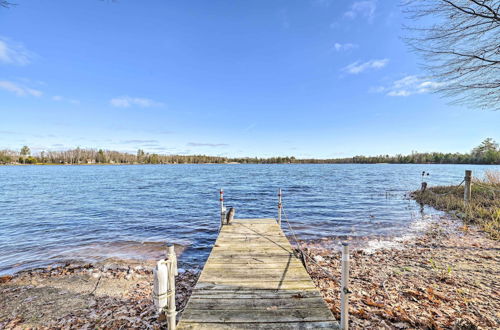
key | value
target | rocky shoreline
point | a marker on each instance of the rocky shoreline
(108, 295)
(447, 278)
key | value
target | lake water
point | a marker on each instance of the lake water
(58, 213)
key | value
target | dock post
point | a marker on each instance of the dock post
(279, 207)
(344, 288)
(172, 272)
(467, 185)
(222, 209)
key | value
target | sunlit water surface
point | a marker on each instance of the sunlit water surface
(51, 214)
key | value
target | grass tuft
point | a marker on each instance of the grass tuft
(483, 209)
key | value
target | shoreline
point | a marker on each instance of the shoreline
(444, 277)
(246, 163)
(107, 294)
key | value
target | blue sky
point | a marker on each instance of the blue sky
(232, 78)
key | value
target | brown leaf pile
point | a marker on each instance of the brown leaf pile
(87, 297)
(447, 279)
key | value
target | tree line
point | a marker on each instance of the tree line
(488, 152)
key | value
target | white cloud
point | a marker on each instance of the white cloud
(203, 144)
(344, 47)
(59, 98)
(358, 67)
(127, 101)
(407, 86)
(18, 89)
(364, 9)
(12, 53)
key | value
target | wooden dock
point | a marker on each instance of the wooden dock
(252, 280)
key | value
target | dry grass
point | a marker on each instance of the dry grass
(492, 177)
(483, 210)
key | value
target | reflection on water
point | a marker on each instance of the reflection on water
(52, 213)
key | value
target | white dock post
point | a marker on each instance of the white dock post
(172, 272)
(344, 288)
(279, 207)
(160, 287)
(222, 209)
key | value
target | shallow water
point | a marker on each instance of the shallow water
(57, 213)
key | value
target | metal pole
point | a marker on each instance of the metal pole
(279, 207)
(467, 186)
(222, 209)
(172, 272)
(344, 288)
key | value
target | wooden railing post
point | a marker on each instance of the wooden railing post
(344, 288)
(172, 272)
(467, 186)
(279, 207)
(222, 209)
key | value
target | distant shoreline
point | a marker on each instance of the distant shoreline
(233, 163)
(487, 153)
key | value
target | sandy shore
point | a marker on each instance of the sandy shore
(448, 278)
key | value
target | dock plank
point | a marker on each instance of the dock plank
(253, 280)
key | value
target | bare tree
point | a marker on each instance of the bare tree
(6, 4)
(459, 41)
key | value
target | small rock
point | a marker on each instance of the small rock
(319, 258)
(108, 267)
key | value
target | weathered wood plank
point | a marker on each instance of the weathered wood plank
(235, 285)
(256, 293)
(263, 325)
(242, 274)
(270, 315)
(239, 272)
(255, 303)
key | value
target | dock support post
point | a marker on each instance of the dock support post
(222, 209)
(467, 185)
(172, 272)
(279, 207)
(344, 288)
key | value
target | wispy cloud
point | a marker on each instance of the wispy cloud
(200, 144)
(14, 53)
(139, 141)
(127, 101)
(358, 67)
(18, 89)
(344, 47)
(59, 98)
(407, 86)
(364, 9)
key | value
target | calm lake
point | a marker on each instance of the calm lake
(85, 213)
